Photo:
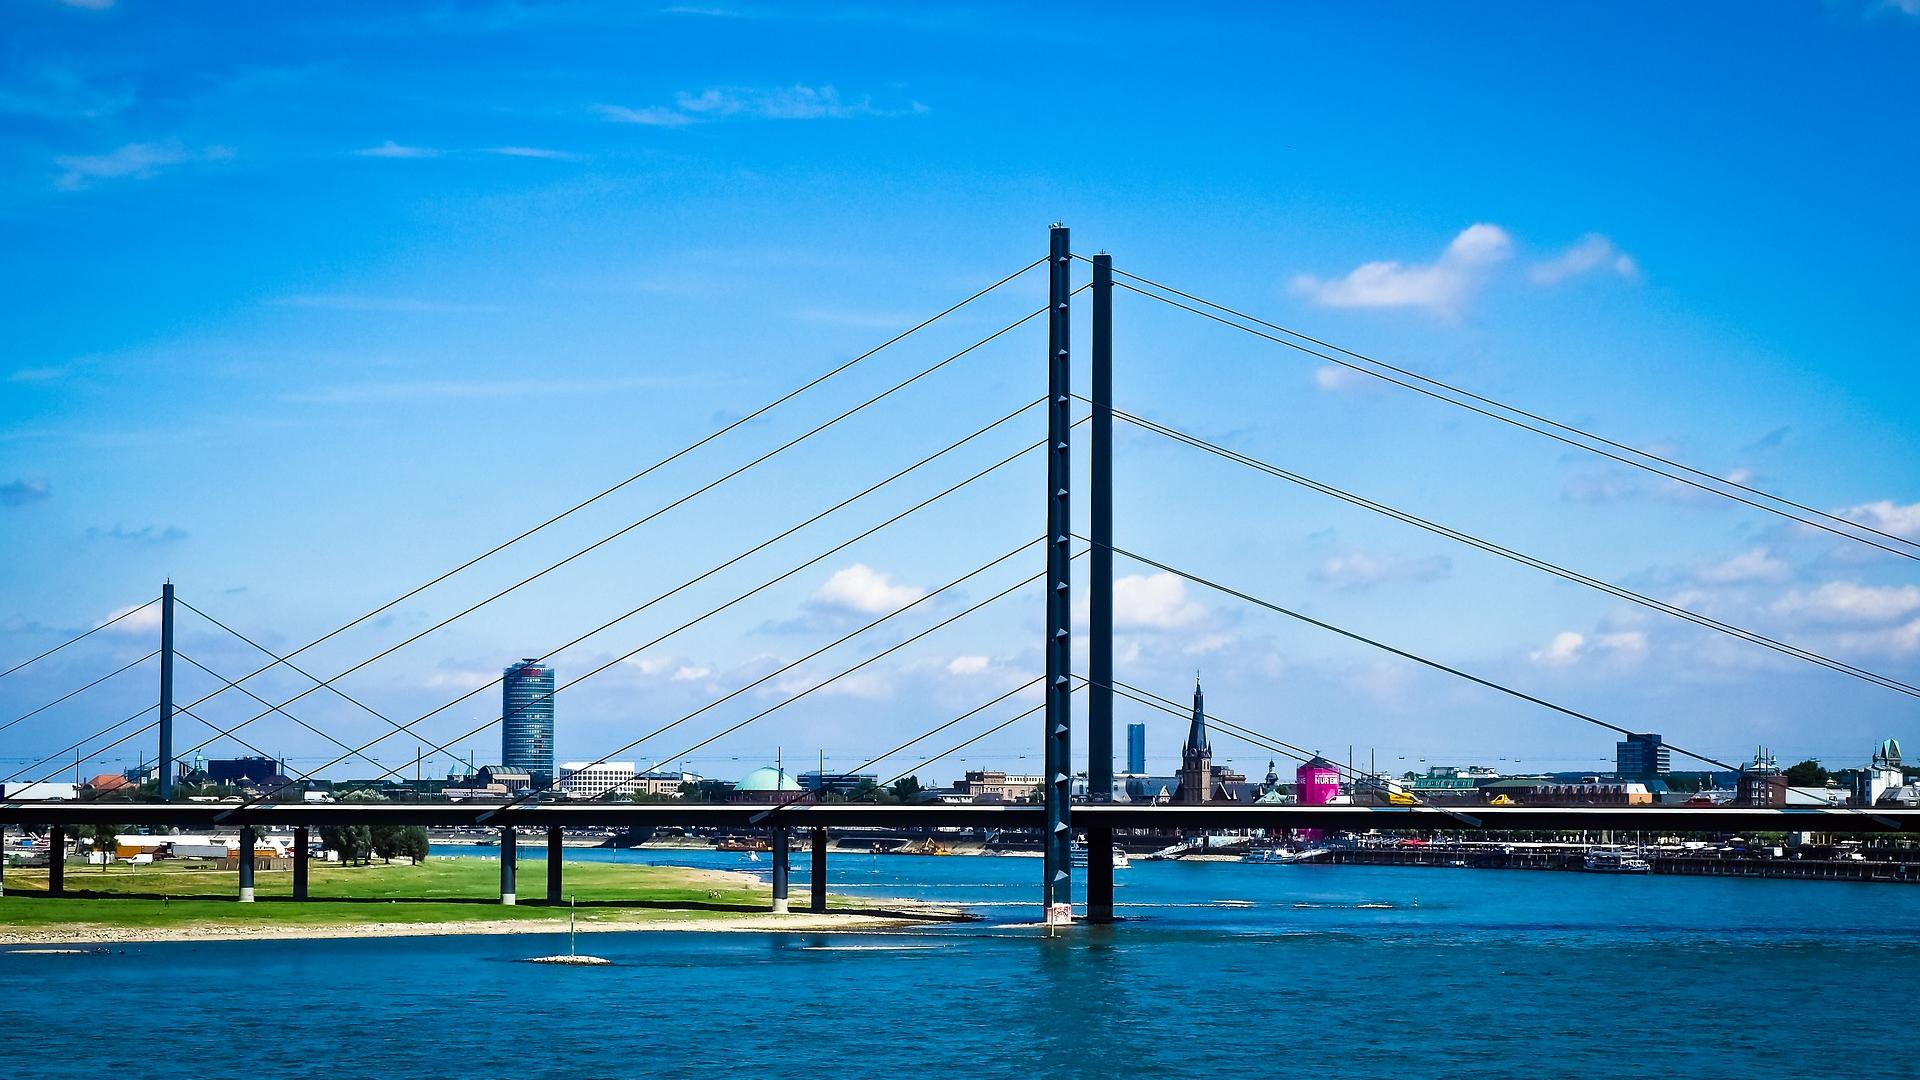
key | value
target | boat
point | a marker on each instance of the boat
(1120, 859)
(1609, 861)
(1282, 855)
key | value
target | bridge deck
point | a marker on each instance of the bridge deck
(1008, 816)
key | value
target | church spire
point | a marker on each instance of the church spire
(1197, 731)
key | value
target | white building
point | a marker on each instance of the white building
(589, 780)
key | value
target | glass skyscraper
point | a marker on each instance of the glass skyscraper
(526, 726)
(1137, 749)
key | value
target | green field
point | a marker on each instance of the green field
(185, 895)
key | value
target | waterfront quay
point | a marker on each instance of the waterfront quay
(1894, 865)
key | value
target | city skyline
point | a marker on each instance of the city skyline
(294, 442)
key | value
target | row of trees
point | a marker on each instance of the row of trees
(359, 843)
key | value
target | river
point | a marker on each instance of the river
(1218, 968)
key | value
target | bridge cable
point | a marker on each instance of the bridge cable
(75, 693)
(783, 669)
(644, 519)
(670, 458)
(1489, 546)
(1267, 742)
(927, 734)
(1415, 657)
(724, 564)
(1554, 435)
(274, 708)
(88, 634)
(711, 612)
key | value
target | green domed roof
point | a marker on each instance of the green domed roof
(767, 778)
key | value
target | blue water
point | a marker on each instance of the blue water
(1220, 969)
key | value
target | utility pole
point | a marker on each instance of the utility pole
(1100, 598)
(1058, 841)
(166, 692)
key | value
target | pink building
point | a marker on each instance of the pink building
(1318, 782)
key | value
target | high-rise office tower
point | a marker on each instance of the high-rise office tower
(526, 726)
(1137, 749)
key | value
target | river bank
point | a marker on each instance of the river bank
(443, 896)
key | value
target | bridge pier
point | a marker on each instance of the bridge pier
(817, 885)
(1099, 874)
(57, 861)
(782, 851)
(556, 867)
(246, 864)
(508, 854)
(299, 862)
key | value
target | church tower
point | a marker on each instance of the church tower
(1196, 757)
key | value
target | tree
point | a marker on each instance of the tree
(906, 789)
(351, 842)
(105, 838)
(1807, 774)
(408, 841)
(865, 791)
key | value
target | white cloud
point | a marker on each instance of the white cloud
(1593, 252)
(137, 161)
(539, 152)
(1846, 602)
(1564, 649)
(391, 149)
(1885, 514)
(796, 102)
(144, 621)
(863, 589)
(650, 665)
(1570, 647)
(967, 665)
(90, 5)
(1156, 602)
(691, 673)
(1359, 570)
(1442, 286)
(1333, 377)
(1756, 565)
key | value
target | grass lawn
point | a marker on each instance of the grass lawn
(181, 894)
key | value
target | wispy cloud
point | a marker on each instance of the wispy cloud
(1443, 286)
(1593, 252)
(16, 493)
(797, 102)
(539, 152)
(1748, 566)
(146, 534)
(1360, 570)
(1849, 603)
(391, 149)
(134, 161)
(36, 374)
(405, 152)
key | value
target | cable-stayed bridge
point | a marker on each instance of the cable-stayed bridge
(1050, 555)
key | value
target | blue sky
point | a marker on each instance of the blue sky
(303, 309)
